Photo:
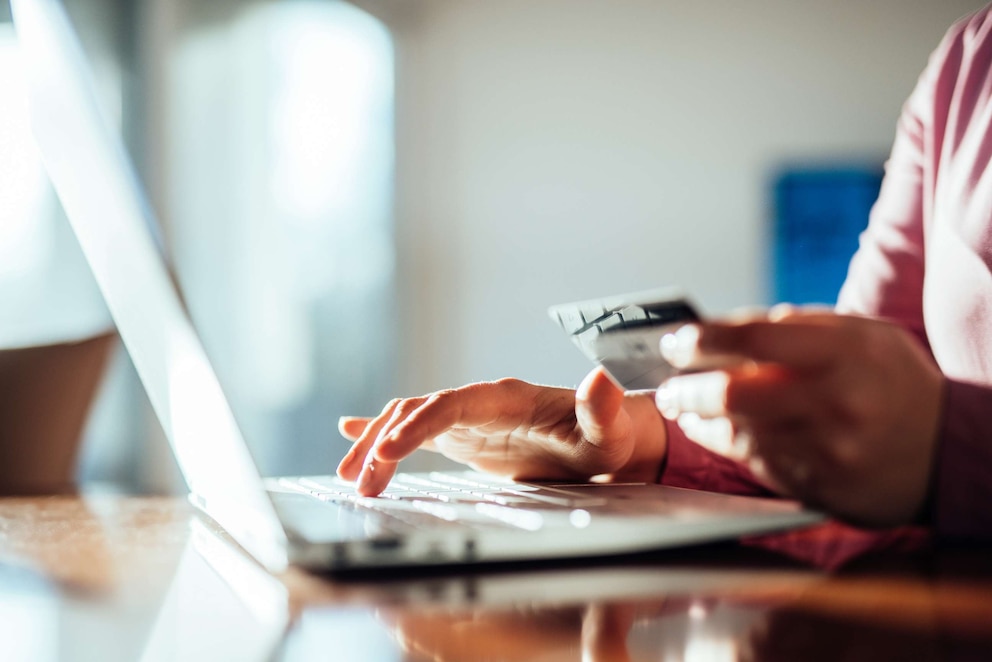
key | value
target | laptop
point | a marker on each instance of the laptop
(317, 522)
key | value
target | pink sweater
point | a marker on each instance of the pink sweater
(925, 261)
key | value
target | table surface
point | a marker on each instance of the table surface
(104, 577)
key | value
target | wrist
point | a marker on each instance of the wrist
(650, 443)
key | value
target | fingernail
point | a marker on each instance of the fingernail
(679, 347)
(666, 402)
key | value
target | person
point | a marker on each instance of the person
(55, 342)
(56, 335)
(56, 339)
(45, 396)
(879, 412)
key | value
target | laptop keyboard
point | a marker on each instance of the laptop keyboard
(462, 499)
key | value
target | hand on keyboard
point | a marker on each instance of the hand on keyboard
(513, 428)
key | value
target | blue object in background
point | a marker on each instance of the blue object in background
(819, 214)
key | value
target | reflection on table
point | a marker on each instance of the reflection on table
(116, 578)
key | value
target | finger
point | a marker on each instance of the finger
(377, 472)
(473, 406)
(702, 393)
(351, 465)
(352, 427)
(605, 629)
(715, 434)
(681, 349)
(756, 396)
(400, 414)
(375, 476)
(598, 403)
(767, 394)
(804, 341)
(811, 312)
(747, 314)
(789, 457)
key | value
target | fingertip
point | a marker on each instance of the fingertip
(680, 347)
(374, 478)
(595, 385)
(598, 401)
(346, 468)
(744, 314)
(352, 427)
(781, 311)
(666, 401)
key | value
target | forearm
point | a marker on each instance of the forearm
(45, 394)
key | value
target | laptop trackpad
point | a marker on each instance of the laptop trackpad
(318, 521)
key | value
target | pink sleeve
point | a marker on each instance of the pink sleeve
(886, 280)
(688, 464)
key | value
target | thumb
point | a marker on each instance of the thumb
(599, 408)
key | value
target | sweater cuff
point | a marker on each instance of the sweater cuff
(687, 464)
(961, 506)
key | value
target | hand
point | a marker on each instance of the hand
(522, 632)
(513, 428)
(839, 411)
(598, 631)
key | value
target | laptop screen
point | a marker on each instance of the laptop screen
(109, 213)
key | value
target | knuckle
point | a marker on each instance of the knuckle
(845, 456)
(511, 383)
(860, 406)
(408, 405)
(441, 397)
(874, 341)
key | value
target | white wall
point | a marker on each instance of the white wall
(552, 150)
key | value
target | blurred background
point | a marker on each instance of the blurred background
(381, 197)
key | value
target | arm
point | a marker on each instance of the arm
(887, 275)
(45, 393)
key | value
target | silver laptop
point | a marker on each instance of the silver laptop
(317, 522)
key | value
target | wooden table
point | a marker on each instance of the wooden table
(125, 578)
